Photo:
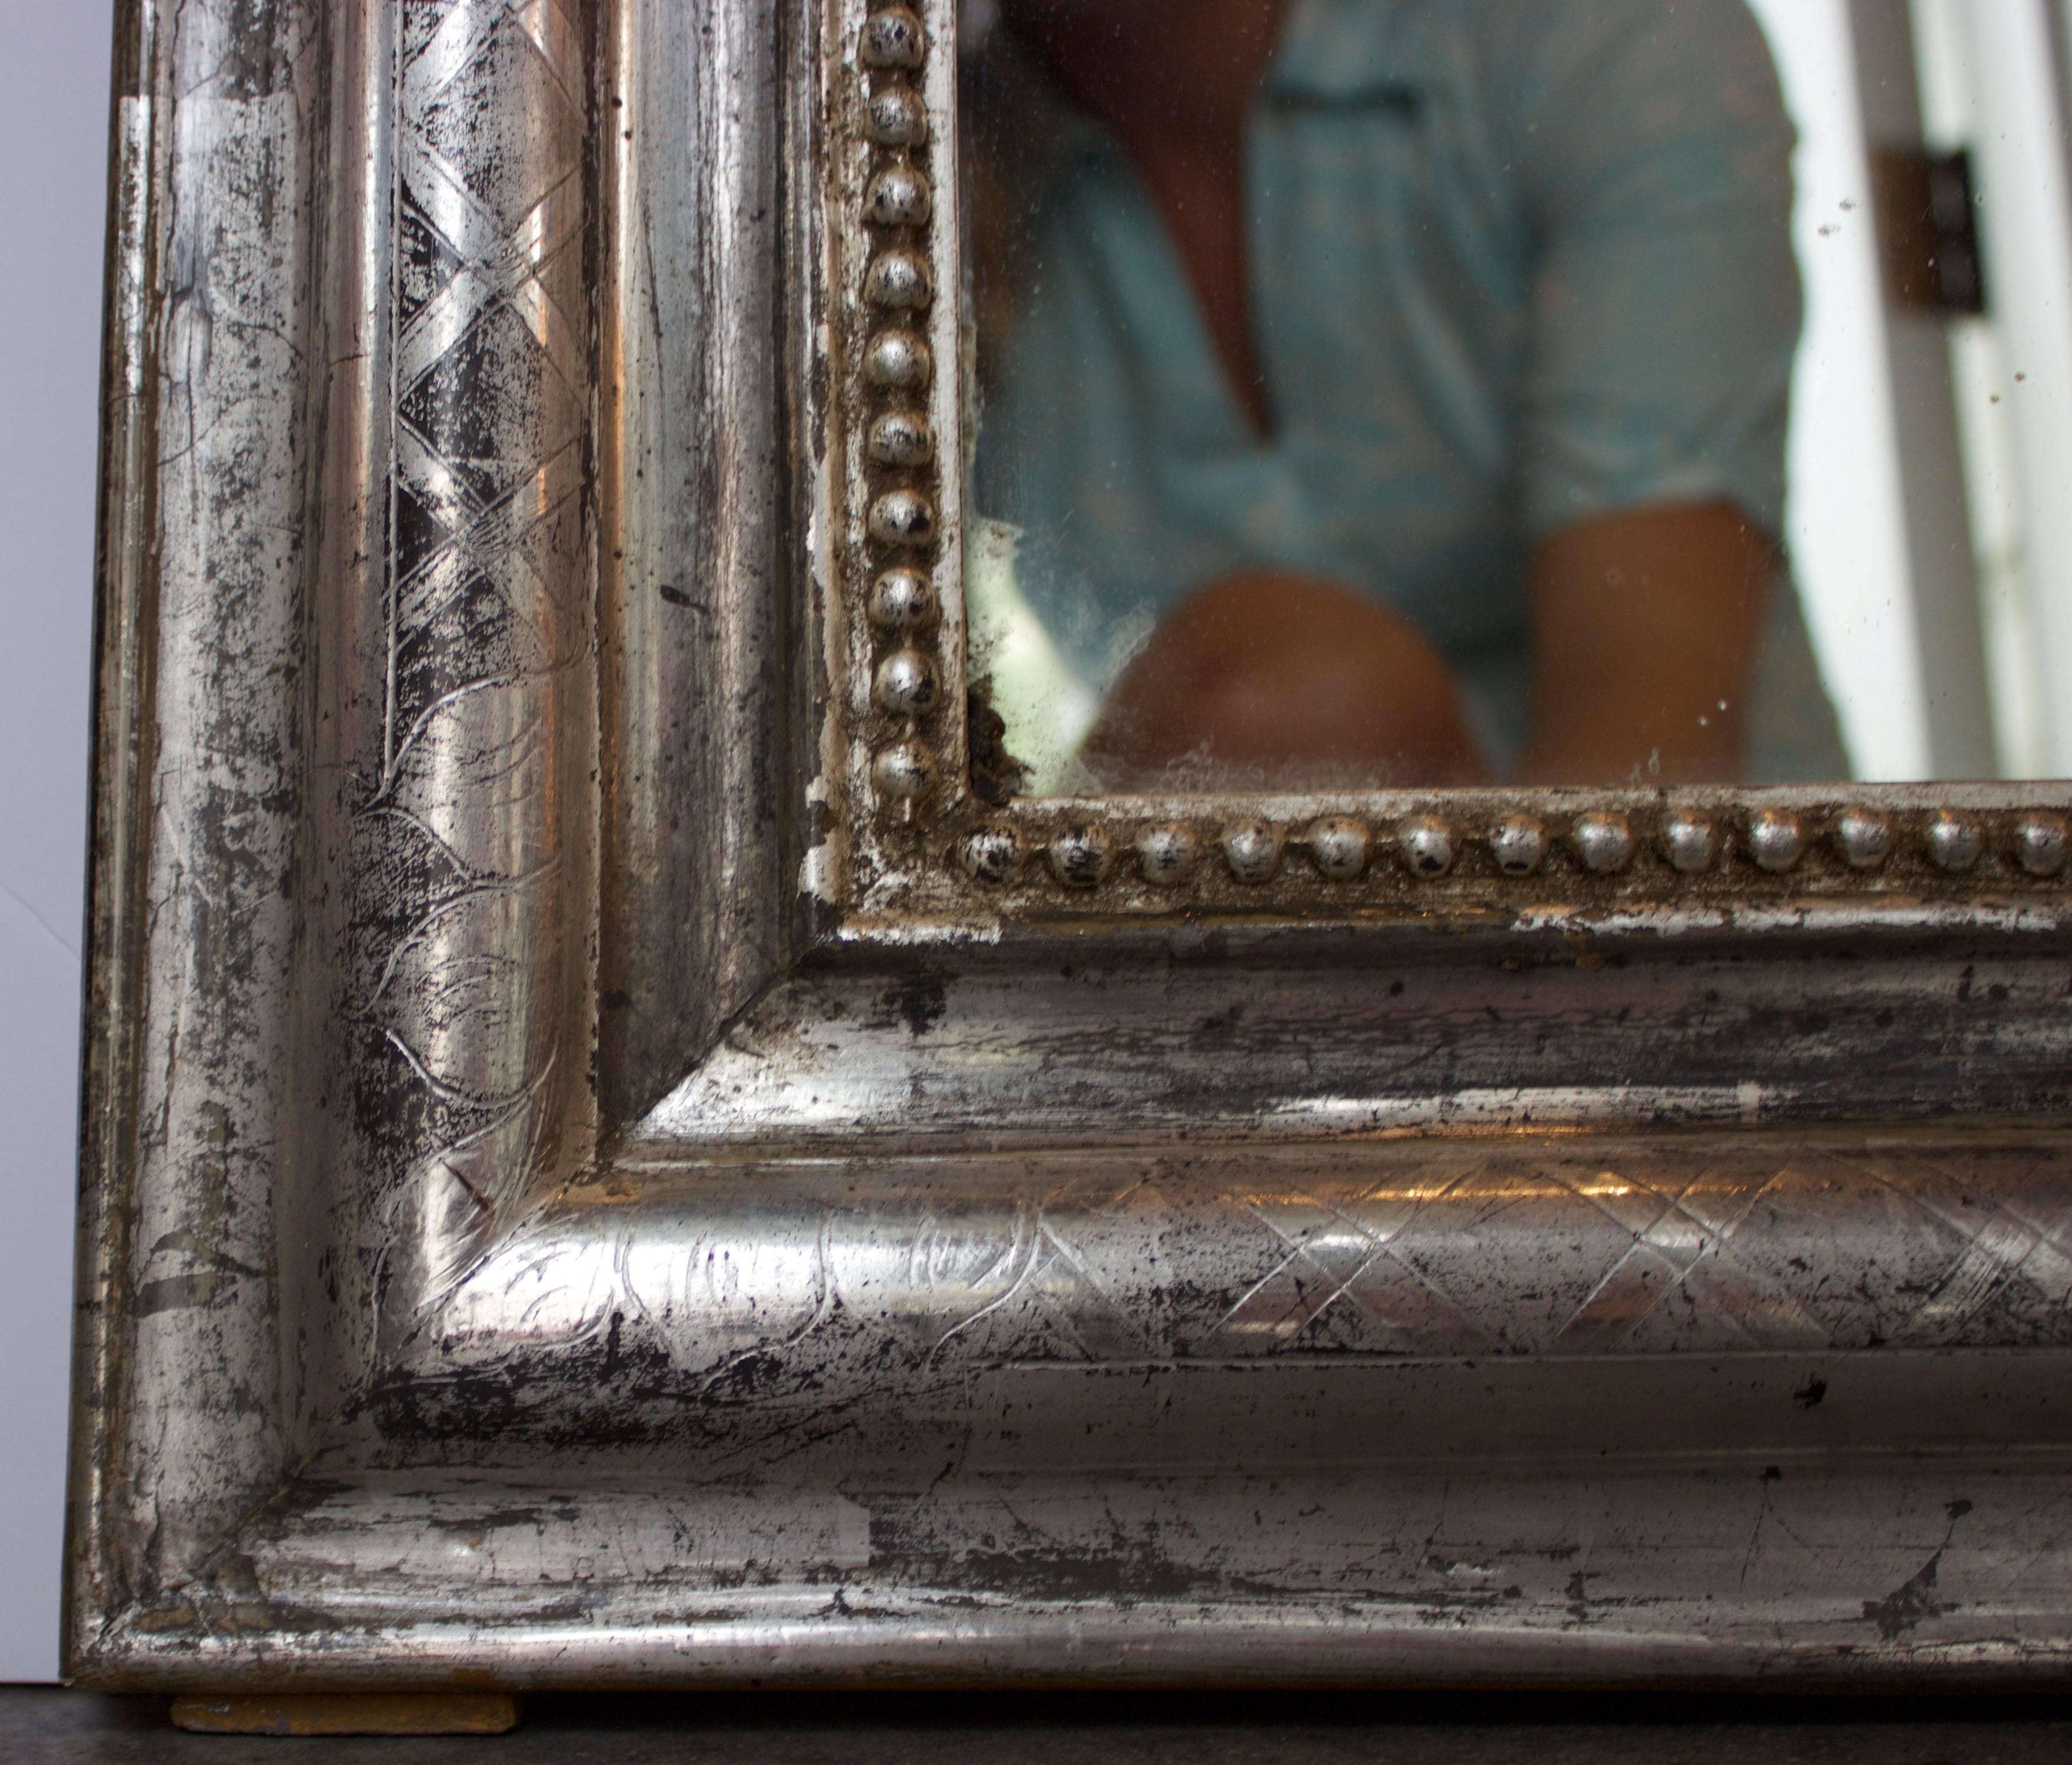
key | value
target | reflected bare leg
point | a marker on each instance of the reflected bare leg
(1266, 679)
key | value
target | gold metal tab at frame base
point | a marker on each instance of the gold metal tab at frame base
(372, 1712)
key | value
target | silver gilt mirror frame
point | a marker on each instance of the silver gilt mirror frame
(608, 1163)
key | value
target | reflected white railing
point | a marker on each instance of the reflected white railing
(1845, 504)
(2005, 97)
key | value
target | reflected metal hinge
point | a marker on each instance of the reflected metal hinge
(1928, 234)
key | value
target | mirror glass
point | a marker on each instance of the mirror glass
(1434, 392)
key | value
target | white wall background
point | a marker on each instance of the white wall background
(53, 85)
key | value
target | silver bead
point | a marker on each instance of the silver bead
(906, 769)
(903, 600)
(1253, 850)
(903, 517)
(1518, 844)
(1865, 836)
(1603, 841)
(1690, 841)
(1426, 844)
(991, 854)
(899, 280)
(897, 116)
(1167, 853)
(2040, 844)
(1777, 839)
(898, 196)
(1081, 855)
(1955, 842)
(906, 685)
(892, 38)
(1340, 846)
(898, 360)
(902, 438)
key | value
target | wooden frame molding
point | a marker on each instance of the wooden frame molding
(606, 1164)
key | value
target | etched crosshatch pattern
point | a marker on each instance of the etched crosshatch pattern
(483, 625)
(618, 1154)
(1632, 1249)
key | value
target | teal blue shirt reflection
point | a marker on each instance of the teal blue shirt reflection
(1514, 264)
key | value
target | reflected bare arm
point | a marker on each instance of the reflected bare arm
(1644, 624)
(1269, 678)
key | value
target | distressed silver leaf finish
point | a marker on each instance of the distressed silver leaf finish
(471, 805)
(1524, 1252)
(1324, 1032)
(202, 769)
(703, 603)
(575, 1196)
(1173, 1575)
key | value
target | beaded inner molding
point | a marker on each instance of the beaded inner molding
(896, 460)
(1857, 842)
(904, 417)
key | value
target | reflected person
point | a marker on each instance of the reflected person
(1395, 391)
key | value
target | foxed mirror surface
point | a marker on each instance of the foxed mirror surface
(1424, 394)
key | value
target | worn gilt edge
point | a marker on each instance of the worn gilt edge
(926, 842)
(1405, 1580)
(118, 914)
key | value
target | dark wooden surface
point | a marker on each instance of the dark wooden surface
(44, 1726)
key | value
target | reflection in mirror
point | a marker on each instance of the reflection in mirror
(1430, 392)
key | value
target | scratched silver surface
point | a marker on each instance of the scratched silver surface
(544, 1221)
(471, 796)
(201, 770)
(1521, 1248)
